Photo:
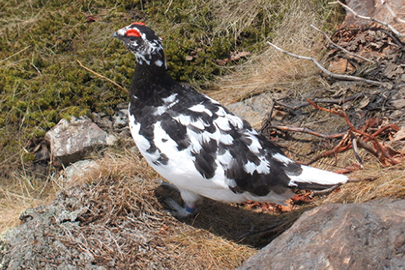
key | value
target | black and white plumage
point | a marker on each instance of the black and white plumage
(199, 145)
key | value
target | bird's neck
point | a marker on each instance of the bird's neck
(150, 77)
(152, 58)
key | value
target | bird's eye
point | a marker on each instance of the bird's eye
(132, 33)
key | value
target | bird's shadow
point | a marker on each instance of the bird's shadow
(234, 223)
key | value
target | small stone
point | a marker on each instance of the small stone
(71, 140)
(398, 104)
(77, 171)
(120, 118)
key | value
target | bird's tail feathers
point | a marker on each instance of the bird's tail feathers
(316, 179)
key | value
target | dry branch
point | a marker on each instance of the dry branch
(331, 74)
(339, 101)
(356, 152)
(340, 47)
(394, 16)
(101, 76)
(309, 131)
(11, 56)
(361, 137)
(342, 146)
(396, 32)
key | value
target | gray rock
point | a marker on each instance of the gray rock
(340, 236)
(40, 242)
(120, 118)
(78, 170)
(70, 140)
(102, 120)
(253, 109)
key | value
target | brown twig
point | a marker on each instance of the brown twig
(382, 129)
(342, 146)
(337, 113)
(309, 131)
(341, 48)
(331, 74)
(394, 16)
(396, 32)
(101, 76)
(379, 150)
(363, 144)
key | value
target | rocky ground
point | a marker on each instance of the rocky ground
(111, 214)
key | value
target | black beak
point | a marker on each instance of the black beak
(115, 35)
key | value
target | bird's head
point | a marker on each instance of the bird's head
(143, 42)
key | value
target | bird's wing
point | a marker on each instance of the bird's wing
(221, 142)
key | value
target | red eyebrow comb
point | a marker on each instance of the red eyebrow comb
(140, 23)
(132, 33)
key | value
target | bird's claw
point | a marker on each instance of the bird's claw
(177, 210)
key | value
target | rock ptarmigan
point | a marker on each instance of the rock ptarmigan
(200, 146)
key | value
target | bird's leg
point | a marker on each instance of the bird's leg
(189, 199)
(163, 183)
(178, 210)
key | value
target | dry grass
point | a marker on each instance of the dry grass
(121, 217)
(123, 223)
(123, 199)
(126, 224)
(22, 191)
(378, 183)
(235, 16)
(271, 69)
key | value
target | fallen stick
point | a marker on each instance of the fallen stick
(342, 146)
(309, 131)
(396, 32)
(101, 76)
(394, 16)
(341, 48)
(381, 153)
(356, 151)
(321, 100)
(331, 74)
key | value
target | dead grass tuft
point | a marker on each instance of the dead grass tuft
(114, 218)
(271, 69)
(236, 16)
(126, 224)
(378, 183)
(23, 190)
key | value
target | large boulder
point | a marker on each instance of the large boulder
(71, 140)
(340, 236)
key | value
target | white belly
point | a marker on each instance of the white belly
(181, 171)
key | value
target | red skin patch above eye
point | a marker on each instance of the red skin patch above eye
(133, 33)
(140, 23)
